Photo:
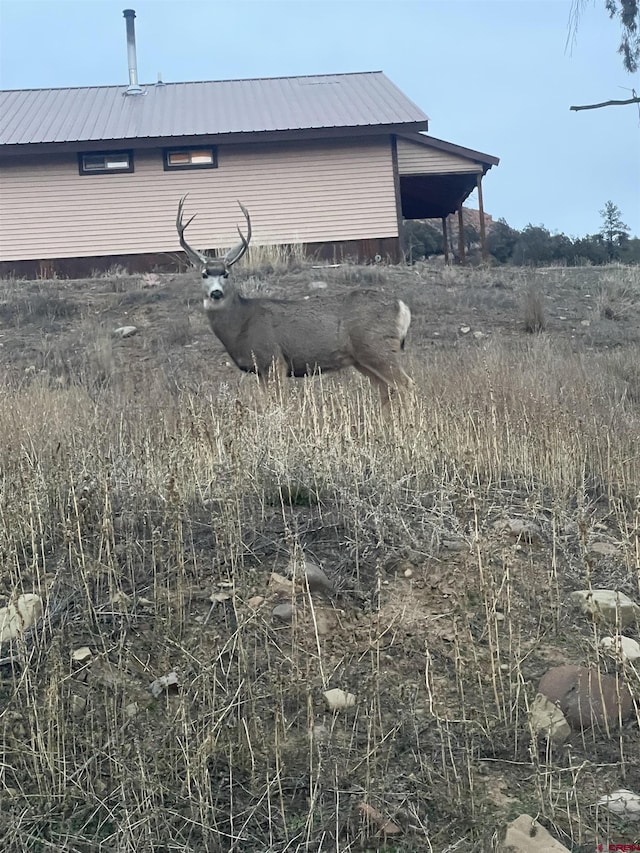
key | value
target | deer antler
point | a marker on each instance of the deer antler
(235, 254)
(199, 258)
(196, 258)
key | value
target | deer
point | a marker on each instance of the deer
(365, 328)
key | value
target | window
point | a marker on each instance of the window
(104, 162)
(190, 158)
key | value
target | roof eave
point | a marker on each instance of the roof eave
(487, 160)
(239, 138)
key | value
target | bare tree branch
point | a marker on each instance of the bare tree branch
(634, 100)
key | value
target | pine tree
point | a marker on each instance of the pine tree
(614, 232)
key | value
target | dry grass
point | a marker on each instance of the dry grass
(533, 311)
(619, 294)
(126, 500)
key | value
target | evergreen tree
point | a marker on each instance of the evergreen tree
(614, 232)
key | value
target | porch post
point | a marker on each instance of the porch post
(461, 251)
(483, 235)
(445, 239)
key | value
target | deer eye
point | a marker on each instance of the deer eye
(205, 274)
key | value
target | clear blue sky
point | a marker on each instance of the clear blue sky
(493, 76)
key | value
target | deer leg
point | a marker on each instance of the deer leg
(378, 381)
(389, 382)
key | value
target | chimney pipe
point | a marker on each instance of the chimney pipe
(134, 88)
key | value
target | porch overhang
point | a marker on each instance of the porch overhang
(435, 196)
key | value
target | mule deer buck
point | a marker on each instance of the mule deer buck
(364, 329)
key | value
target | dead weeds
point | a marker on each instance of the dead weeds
(147, 498)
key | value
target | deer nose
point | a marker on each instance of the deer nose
(216, 294)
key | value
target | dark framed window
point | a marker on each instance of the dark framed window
(105, 162)
(203, 157)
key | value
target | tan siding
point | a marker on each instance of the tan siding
(414, 159)
(296, 193)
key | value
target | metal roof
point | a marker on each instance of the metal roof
(101, 113)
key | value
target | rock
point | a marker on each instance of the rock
(478, 335)
(339, 700)
(408, 572)
(165, 684)
(608, 604)
(547, 720)
(81, 655)
(523, 531)
(464, 330)
(218, 597)
(526, 835)
(454, 545)
(621, 647)
(255, 602)
(17, 617)
(125, 331)
(585, 696)
(622, 802)
(279, 585)
(283, 612)
(379, 821)
(318, 285)
(315, 578)
(602, 549)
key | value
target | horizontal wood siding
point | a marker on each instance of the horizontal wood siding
(301, 192)
(415, 159)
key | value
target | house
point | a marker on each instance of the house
(91, 176)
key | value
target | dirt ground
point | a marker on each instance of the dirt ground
(47, 325)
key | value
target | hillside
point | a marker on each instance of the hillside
(172, 697)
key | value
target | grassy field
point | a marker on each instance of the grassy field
(149, 494)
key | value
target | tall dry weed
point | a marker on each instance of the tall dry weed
(150, 521)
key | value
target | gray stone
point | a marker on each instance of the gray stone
(81, 655)
(520, 529)
(612, 606)
(315, 578)
(621, 647)
(339, 700)
(602, 549)
(283, 612)
(622, 802)
(125, 331)
(165, 684)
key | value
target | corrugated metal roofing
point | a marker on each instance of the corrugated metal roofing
(100, 113)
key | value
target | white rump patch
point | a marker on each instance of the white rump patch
(403, 319)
